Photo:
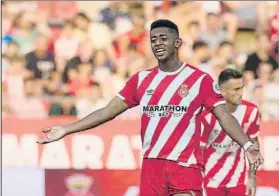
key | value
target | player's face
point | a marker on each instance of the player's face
(164, 43)
(232, 90)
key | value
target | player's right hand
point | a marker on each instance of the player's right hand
(52, 134)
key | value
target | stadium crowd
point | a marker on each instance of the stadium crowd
(65, 59)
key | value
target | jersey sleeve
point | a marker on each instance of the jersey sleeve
(129, 92)
(211, 95)
(254, 128)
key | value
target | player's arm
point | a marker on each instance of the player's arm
(126, 98)
(230, 125)
(115, 107)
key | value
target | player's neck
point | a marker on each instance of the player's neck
(170, 65)
(231, 107)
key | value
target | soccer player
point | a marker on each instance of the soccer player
(224, 159)
(171, 97)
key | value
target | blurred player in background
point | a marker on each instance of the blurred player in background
(171, 97)
(226, 173)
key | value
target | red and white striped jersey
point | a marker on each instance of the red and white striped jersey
(171, 105)
(224, 159)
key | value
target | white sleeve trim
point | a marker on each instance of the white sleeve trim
(219, 103)
(120, 96)
(247, 145)
(255, 135)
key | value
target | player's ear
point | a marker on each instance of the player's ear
(178, 42)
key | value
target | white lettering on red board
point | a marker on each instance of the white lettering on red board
(25, 154)
(87, 151)
(121, 155)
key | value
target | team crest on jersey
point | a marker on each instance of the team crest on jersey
(150, 92)
(216, 88)
(183, 91)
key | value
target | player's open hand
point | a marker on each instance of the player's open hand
(52, 134)
(254, 157)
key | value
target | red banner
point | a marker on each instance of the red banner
(115, 145)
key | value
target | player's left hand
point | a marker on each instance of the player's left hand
(254, 157)
(251, 187)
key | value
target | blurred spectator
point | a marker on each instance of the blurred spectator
(6, 27)
(226, 51)
(30, 105)
(136, 62)
(119, 77)
(84, 55)
(271, 94)
(201, 53)
(138, 35)
(81, 79)
(112, 14)
(101, 37)
(122, 46)
(11, 50)
(274, 25)
(62, 103)
(66, 45)
(261, 55)
(214, 33)
(257, 96)
(55, 87)
(14, 76)
(91, 101)
(264, 78)
(185, 12)
(40, 61)
(101, 59)
(186, 50)
(227, 19)
(274, 32)
(214, 67)
(102, 69)
(81, 22)
(259, 85)
(264, 73)
(25, 31)
(250, 14)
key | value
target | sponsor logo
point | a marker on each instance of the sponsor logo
(231, 147)
(183, 91)
(164, 110)
(79, 184)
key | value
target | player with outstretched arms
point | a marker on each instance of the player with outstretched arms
(171, 97)
(224, 159)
